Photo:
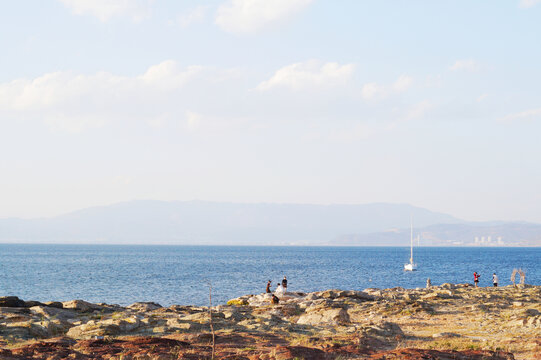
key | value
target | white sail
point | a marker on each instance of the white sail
(411, 266)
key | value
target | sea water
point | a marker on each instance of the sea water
(184, 274)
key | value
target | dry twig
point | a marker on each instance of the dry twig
(210, 316)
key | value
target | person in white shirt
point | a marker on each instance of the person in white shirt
(279, 290)
(495, 279)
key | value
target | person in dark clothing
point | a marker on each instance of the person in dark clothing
(275, 299)
(284, 284)
(268, 287)
(476, 277)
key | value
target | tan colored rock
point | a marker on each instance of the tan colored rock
(128, 324)
(345, 321)
(144, 306)
(48, 329)
(92, 329)
(357, 316)
(197, 317)
(438, 295)
(358, 295)
(448, 286)
(232, 314)
(324, 316)
(256, 300)
(52, 312)
(331, 294)
(81, 305)
(178, 324)
(383, 329)
(18, 330)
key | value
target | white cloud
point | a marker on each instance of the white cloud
(216, 125)
(412, 112)
(418, 110)
(465, 65)
(402, 83)
(158, 122)
(374, 91)
(122, 180)
(358, 132)
(528, 3)
(308, 75)
(168, 74)
(104, 10)
(433, 81)
(195, 15)
(60, 122)
(72, 102)
(523, 115)
(482, 97)
(193, 119)
(249, 16)
(165, 97)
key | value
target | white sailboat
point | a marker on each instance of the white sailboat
(411, 266)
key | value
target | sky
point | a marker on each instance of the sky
(432, 103)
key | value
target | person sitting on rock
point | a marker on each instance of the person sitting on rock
(275, 299)
(284, 284)
(268, 291)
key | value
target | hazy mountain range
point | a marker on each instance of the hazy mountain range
(200, 222)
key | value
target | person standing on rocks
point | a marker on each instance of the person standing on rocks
(476, 277)
(284, 284)
(495, 279)
(279, 290)
(268, 287)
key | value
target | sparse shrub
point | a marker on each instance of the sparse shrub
(237, 302)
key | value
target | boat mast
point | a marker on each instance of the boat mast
(411, 240)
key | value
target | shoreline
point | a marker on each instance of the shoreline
(20, 242)
(471, 323)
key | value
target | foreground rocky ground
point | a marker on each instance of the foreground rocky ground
(444, 322)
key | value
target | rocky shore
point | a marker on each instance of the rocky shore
(443, 322)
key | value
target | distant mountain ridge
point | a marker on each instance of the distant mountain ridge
(220, 223)
(201, 222)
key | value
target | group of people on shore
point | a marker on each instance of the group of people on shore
(281, 289)
(476, 277)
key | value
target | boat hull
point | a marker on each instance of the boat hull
(410, 267)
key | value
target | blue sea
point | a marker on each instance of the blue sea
(169, 275)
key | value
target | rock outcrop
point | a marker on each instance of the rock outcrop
(443, 322)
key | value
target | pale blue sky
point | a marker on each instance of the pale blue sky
(432, 103)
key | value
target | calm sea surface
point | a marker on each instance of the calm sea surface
(180, 274)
